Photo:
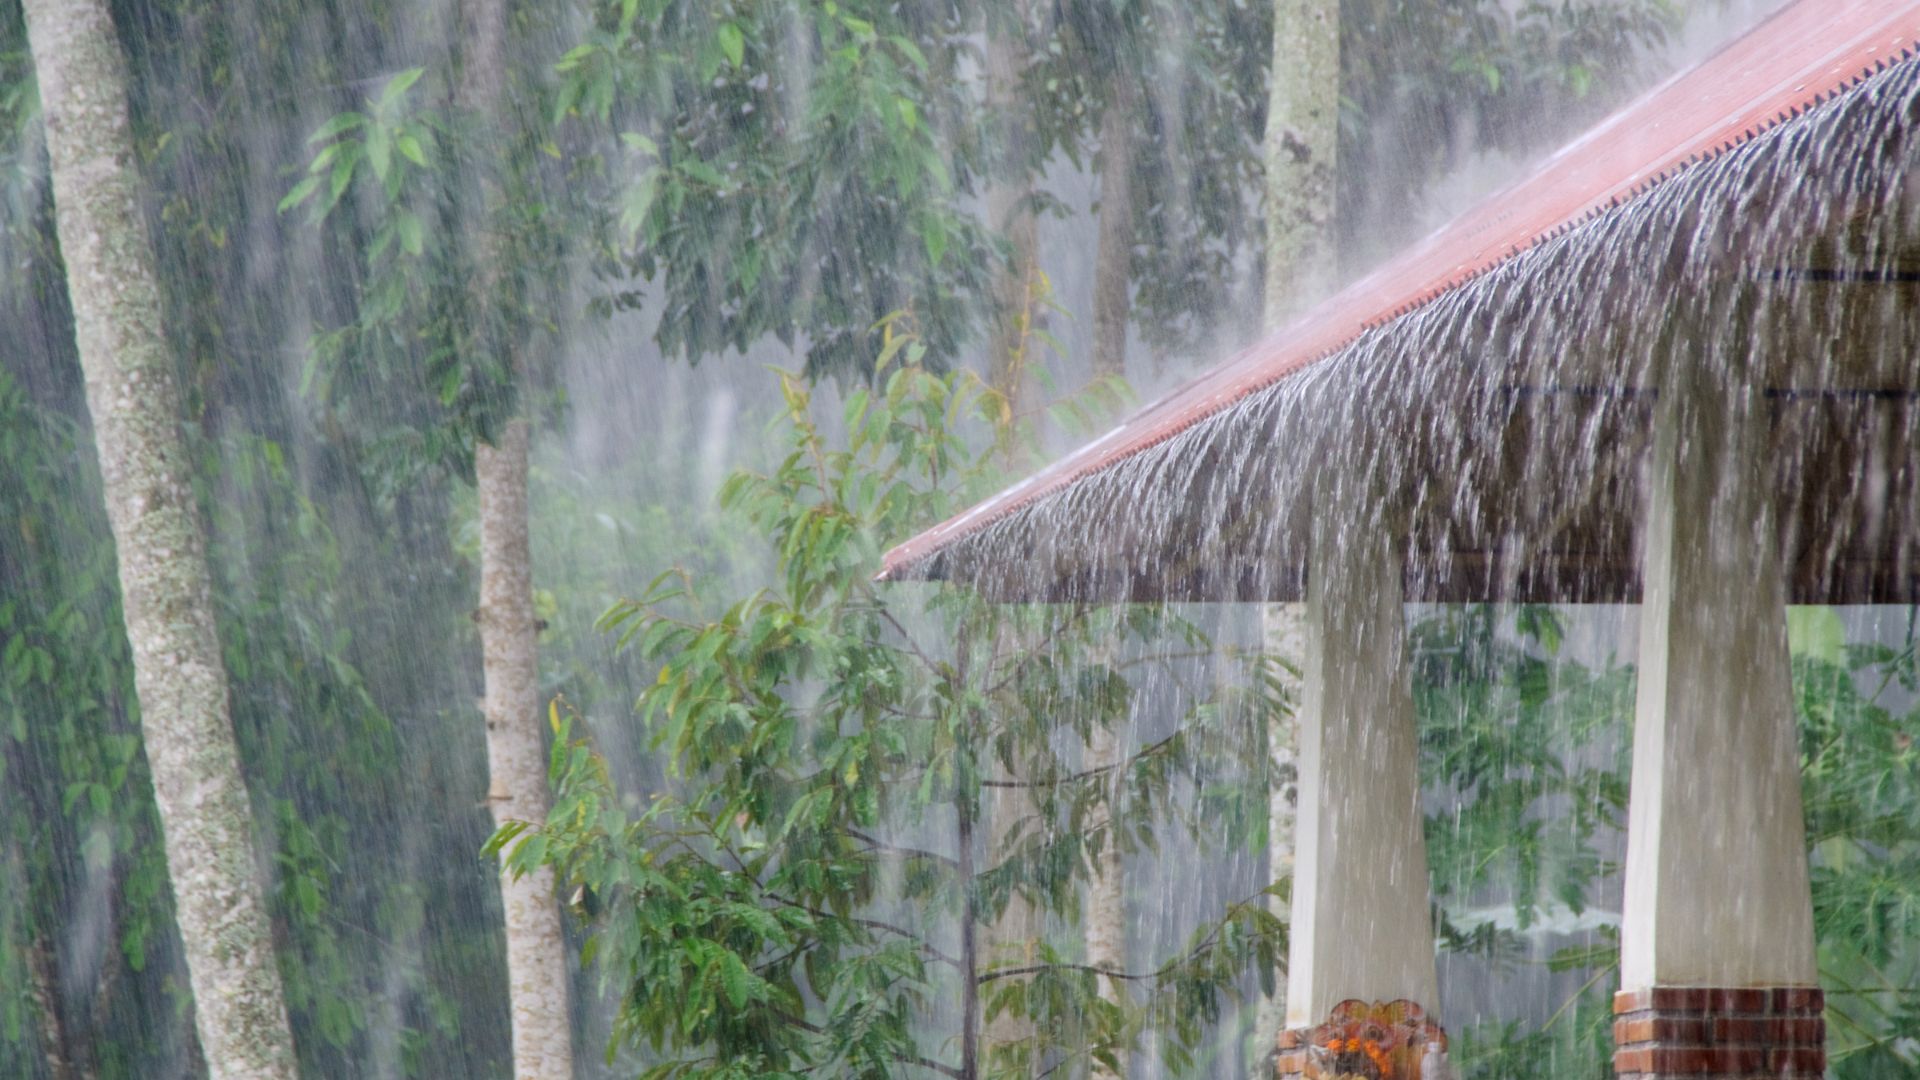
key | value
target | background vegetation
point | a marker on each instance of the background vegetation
(690, 191)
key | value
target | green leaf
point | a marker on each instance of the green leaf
(380, 150)
(733, 43)
(703, 172)
(933, 234)
(410, 149)
(910, 51)
(398, 86)
(638, 203)
(736, 980)
(342, 176)
(412, 233)
(301, 192)
(339, 125)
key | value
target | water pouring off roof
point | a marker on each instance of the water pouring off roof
(1811, 56)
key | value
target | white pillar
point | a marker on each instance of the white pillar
(1361, 927)
(1716, 889)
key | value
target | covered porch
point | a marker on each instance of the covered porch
(1677, 365)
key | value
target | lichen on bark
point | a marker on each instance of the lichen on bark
(1301, 152)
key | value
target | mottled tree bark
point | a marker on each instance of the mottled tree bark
(517, 760)
(1301, 144)
(1113, 260)
(539, 991)
(1302, 138)
(181, 682)
(1106, 912)
(44, 989)
(1012, 939)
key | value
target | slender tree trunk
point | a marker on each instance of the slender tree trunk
(517, 759)
(1012, 936)
(1106, 914)
(1113, 261)
(1009, 211)
(1302, 139)
(969, 949)
(539, 990)
(179, 677)
(1301, 144)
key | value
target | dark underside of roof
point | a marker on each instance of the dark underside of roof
(1504, 426)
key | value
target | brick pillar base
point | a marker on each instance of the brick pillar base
(1377, 1041)
(1704, 1033)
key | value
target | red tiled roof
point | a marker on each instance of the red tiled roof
(1796, 58)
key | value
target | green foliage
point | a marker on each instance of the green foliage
(1529, 749)
(412, 323)
(1576, 1044)
(387, 146)
(868, 779)
(458, 222)
(799, 171)
(278, 574)
(356, 894)
(788, 171)
(1862, 796)
(1426, 83)
(1533, 748)
(755, 169)
(76, 807)
(83, 838)
(20, 168)
(1194, 75)
(1528, 744)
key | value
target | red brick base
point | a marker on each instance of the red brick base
(1705, 1033)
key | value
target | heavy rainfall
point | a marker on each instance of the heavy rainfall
(831, 538)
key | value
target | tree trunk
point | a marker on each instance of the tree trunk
(1009, 210)
(179, 677)
(1301, 144)
(1013, 938)
(1106, 915)
(969, 947)
(44, 989)
(517, 760)
(1113, 261)
(538, 983)
(1302, 138)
